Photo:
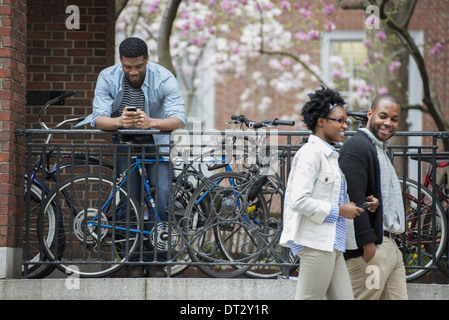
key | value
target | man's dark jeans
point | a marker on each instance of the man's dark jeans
(159, 171)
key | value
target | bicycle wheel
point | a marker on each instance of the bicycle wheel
(425, 234)
(222, 235)
(100, 223)
(268, 264)
(35, 269)
(182, 191)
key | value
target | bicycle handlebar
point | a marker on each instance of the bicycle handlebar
(358, 115)
(66, 95)
(60, 98)
(256, 125)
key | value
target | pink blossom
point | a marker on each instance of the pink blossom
(198, 24)
(337, 73)
(285, 5)
(366, 63)
(394, 65)
(226, 5)
(378, 56)
(382, 90)
(367, 43)
(329, 10)
(307, 5)
(436, 48)
(330, 26)
(372, 22)
(313, 34)
(301, 36)
(381, 35)
(152, 7)
(305, 13)
(185, 15)
(269, 6)
(198, 40)
(285, 62)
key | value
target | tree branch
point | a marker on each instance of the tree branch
(352, 5)
(287, 54)
(295, 58)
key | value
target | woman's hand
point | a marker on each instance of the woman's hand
(350, 210)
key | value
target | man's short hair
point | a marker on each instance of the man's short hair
(133, 47)
(386, 96)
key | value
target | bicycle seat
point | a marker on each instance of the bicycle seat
(441, 161)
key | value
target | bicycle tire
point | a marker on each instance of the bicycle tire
(35, 269)
(182, 191)
(269, 262)
(418, 251)
(92, 251)
(222, 243)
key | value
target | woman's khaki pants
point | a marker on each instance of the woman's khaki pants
(323, 274)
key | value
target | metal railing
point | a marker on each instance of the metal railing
(84, 215)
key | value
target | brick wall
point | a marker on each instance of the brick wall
(60, 59)
(38, 53)
(12, 101)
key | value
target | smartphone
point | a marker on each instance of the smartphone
(131, 109)
(364, 206)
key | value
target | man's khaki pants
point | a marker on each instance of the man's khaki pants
(382, 278)
(323, 274)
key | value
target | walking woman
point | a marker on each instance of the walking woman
(317, 211)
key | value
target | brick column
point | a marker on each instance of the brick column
(12, 103)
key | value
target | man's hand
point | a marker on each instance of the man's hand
(373, 202)
(138, 119)
(369, 250)
(131, 118)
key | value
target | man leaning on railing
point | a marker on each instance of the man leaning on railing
(138, 94)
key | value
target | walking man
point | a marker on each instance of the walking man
(375, 267)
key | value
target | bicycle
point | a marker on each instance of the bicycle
(105, 226)
(236, 234)
(426, 230)
(36, 180)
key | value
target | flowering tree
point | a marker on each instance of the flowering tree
(396, 16)
(231, 37)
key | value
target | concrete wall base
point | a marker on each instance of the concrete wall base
(10, 263)
(173, 289)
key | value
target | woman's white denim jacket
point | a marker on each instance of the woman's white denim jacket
(162, 96)
(313, 186)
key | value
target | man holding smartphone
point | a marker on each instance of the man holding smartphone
(138, 94)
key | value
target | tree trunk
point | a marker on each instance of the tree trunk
(163, 41)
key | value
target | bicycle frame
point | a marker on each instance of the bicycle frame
(428, 181)
(139, 164)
